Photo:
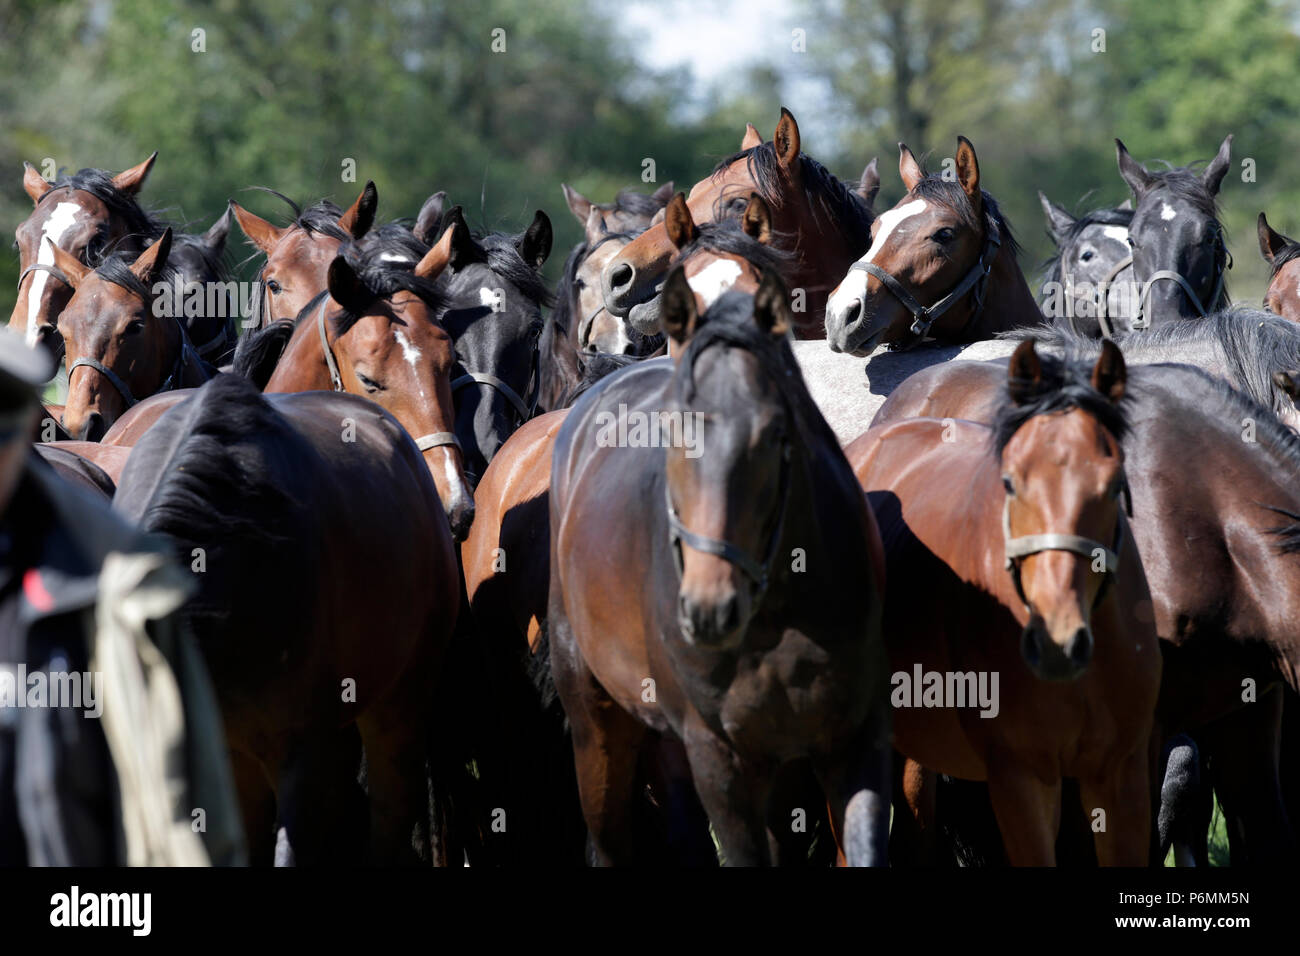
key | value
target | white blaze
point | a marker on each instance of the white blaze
(1167, 211)
(714, 279)
(64, 215)
(1118, 233)
(854, 285)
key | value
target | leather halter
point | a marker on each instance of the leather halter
(170, 382)
(1025, 545)
(483, 378)
(759, 573)
(923, 316)
(423, 442)
(1222, 265)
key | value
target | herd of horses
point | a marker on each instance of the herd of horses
(888, 560)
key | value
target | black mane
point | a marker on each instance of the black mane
(1185, 183)
(638, 204)
(1065, 384)
(834, 201)
(384, 278)
(117, 270)
(935, 188)
(1289, 252)
(727, 236)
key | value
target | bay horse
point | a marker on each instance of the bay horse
(726, 646)
(73, 461)
(1281, 253)
(376, 332)
(349, 519)
(94, 215)
(1085, 284)
(828, 221)
(123, 338)
(298, 255)
(1028, 574)
(1217, 546)
(1179, 254)
(942, 265)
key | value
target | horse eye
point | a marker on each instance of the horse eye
(135, 326)
(369, 384)
(1008, 485)
(1086, 256)
(942, 236)
(273, 286)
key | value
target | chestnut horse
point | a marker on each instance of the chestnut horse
(828, 221)
(726, 644)
(1218, 546)
(124, 341)
(942, 265)
(330, 494)
(1027, 577)
(1283, 257)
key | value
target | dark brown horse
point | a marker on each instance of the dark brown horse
(828, 221)
(942, 265)
(725, 643)
(1217, 541)
(1009, 562)
(123, 340)
(329, 589)
(1283, 257)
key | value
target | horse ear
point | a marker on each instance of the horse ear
(663, 193)
(1126, 204)
(215, 237)
(68, 264)
(869, 184)
(1218, 168)
(595, 226)
(360, 216)
(462, 243)
(130, 180)
(426, 223)
(751, 138)
(756, 221)
(1288, 383)
(579, 204)
(1024, 373)
(1132, 172)
(679, 222)
(968, 172)
(908, 168)
(34, 183)
(535, 244)
(1058, 220)
(346, 287)
(150, 263)
(1270, 242)
(786, 141)
(260, 232)
(436, 259)
(1109, 375)
(677, 310)
(772, 305)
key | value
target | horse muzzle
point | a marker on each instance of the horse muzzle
(1053, 659)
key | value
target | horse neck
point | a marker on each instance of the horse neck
(1008, 302)
(301, 367)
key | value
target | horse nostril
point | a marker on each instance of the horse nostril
(1079, 650)
(854, 314)
(93, 429)
(621, 277)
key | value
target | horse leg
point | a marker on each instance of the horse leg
(257, 805)
(798, 820)
(1125, 797)
(857, 784)
(734, 796)
(321, 804)
(913, 836)
(1028, 811)
(687, 825)
(1243, 758)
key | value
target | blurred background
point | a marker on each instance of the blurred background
(283, 91)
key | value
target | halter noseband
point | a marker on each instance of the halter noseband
(423, 442)
(923, 316)
(759, 573)
(1025, 545)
